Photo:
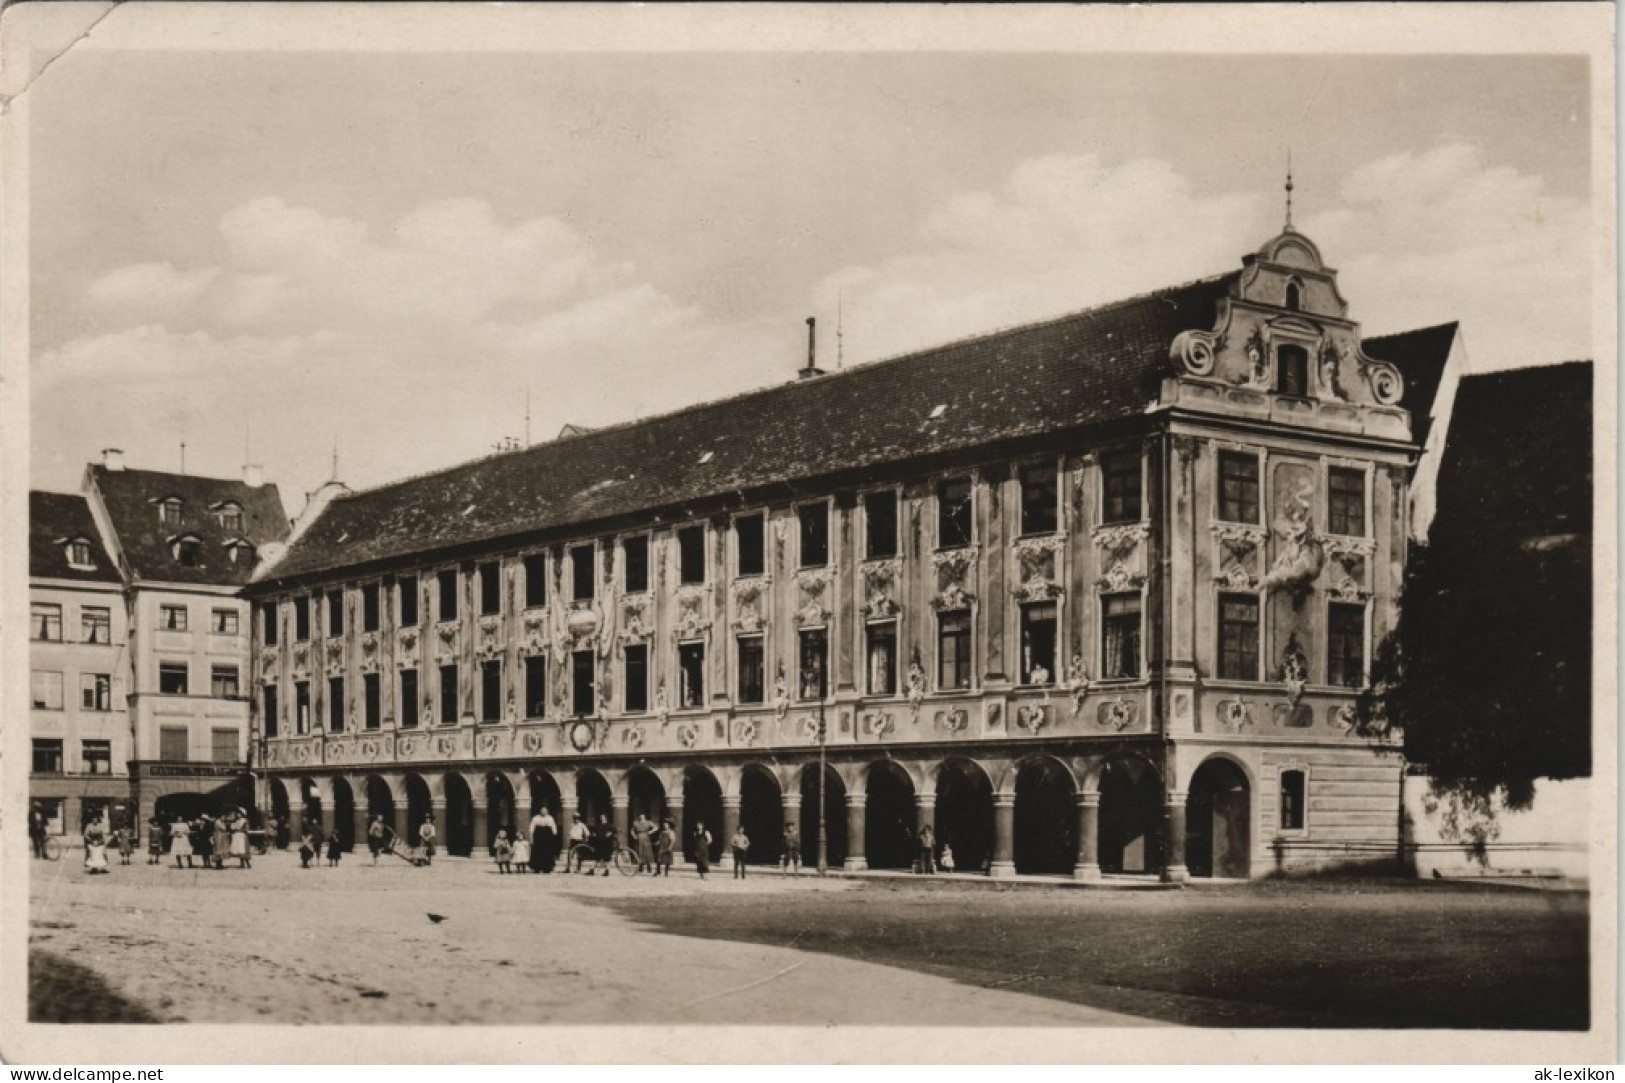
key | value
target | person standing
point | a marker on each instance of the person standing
(155, 841)
(36, 829)
(203, 841)
(578, 837)
(426, 837)
(643, 833)
(790, 860)
(239, 839)
(126, 843)
(180, 841)
(544, 841)
(741, 847)
(502, 852)
(96, 848)
(307, 848)
(335, 849)
(603, 844)
(665, 843)
(927, 863)
(221, 843)
(375, 837)
(521, 853)
(702, 850)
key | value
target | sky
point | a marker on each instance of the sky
(269, 254)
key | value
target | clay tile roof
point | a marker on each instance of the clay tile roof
(1420, 356)
(1518, 453)
(54, 519)
(1083, 369)
(132, 496)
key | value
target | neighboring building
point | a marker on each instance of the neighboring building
(184, 546)
(78, 657)
(1090, 595)
(1432, 360)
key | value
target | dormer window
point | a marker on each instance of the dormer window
(240, 551)
(188, 551)
(231, 516)
(78, 551)
(1292, 371)
(1294, 296)
(169, 511)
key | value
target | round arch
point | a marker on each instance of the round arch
(835, 844)
(458, 830)
(343, 820)
(761, 813)
(311, 811)
(1218, 820)
(889, 840)
(1046, 820)
(380, 799)
(964, 816)
(279, 814)
(702, 804)
(501, 808)
(419, 806)
(594, 796)
(1130, 831)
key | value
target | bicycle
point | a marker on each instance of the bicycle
(625, 859)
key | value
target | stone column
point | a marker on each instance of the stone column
(925, 815)
(856, 812)
(620, 816)
(791, 802)
(482, 827)
(567, 820)
(1004, 836)
(437, 809)
(361, 819)
(730, 824)
(1088, 866)
(1174, 871)
(674, 810)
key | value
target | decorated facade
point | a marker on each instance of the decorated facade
(1089, 597)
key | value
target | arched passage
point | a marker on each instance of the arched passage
(888, 831)
(592, 797)
(834, 817)
(544, 793)
(1218, 821)
(418, 807)
(1046, 818)
(343, 813)
(500, 811)
(458, 830)
(310, 808)
(1130, 816)
(645, 795)
(702, 804)
(279, 813)
(381, 802)
(964, 819)
(761, 814)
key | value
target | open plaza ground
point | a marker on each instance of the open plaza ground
(357, 944)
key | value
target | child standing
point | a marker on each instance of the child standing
(307, 848)
(502, 851)
(947, 862)
(334, 851)
(741, 845)
(126, 845)
(521, 853)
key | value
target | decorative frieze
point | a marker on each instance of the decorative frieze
(446, 635)
(692, 621)
(747, 605)
(333, 654)
(880, 579)
(1117, 713)
(955, 569)
(812, 588)
(490, 639)
(369, 652)
(1038, 558)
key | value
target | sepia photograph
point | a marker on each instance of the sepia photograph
(808, 533)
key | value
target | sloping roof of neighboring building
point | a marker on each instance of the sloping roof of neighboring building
(1084, 368)
(131, 498)
(54, 520)
(1518, 454)
(1420, 356)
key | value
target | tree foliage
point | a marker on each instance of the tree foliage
(1488, 674)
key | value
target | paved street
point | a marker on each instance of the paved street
(355, 945)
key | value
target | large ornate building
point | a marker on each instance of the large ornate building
(1094, 595)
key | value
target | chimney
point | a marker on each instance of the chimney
(113, 459)
(812, 368)
(253, 475)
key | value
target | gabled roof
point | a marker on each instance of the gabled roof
(54, 519)
(1518, 454)
(1085, 368)
(131, 499)
(1420, 356)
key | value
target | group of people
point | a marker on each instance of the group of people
(654, 842)
(213, 840)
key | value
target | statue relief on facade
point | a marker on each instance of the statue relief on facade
(954, 568)
(490, 637)
(691, 621)
(446, 647)
(634, 619)
(1117, 714)
(1294, 671)
(747, 605)
(334, 651)
(1038, 559)
(1299, 555)
(1078, 683)
(879, 585)
(813, 588)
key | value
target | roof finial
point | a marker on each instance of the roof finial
(1289, 189)
(840, 345)
(335, 476)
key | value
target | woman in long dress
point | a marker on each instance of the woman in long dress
(180, 842)
(95, 849)
(544, 841)
(222, 840)
(239, 839)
